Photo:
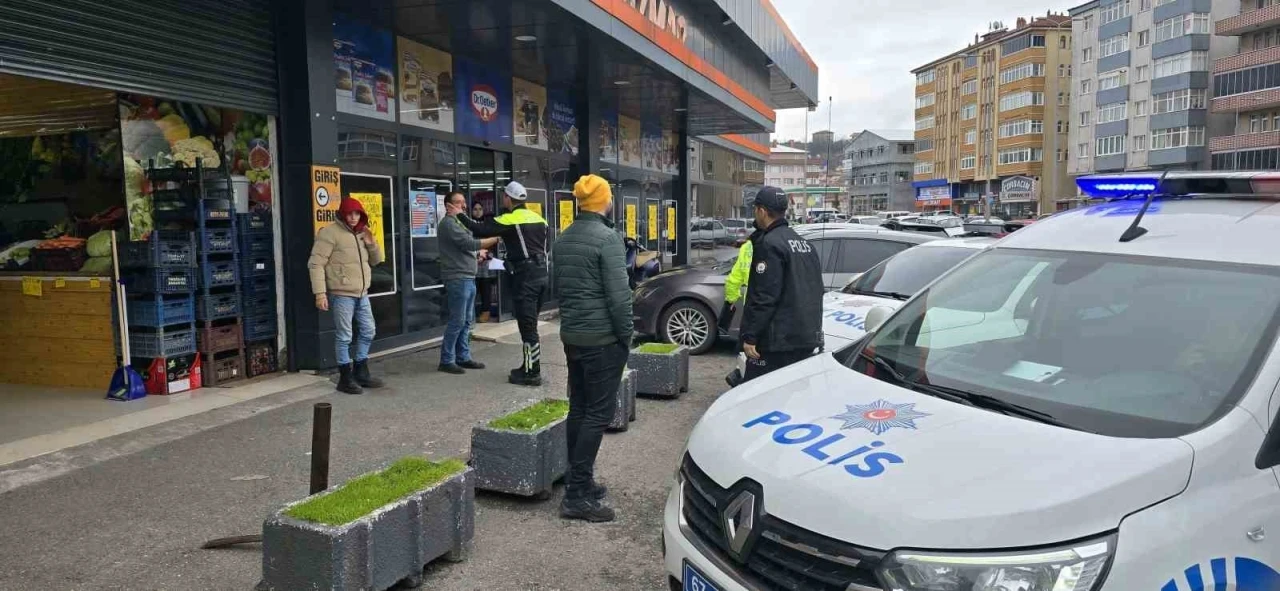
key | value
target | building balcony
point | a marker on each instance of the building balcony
(1248, 22)
(1247, 102)
(1247, 59)
(1245, 141)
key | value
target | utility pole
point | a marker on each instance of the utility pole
(826, 168)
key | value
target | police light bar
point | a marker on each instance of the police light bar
(1180, 184)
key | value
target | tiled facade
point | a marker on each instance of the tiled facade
(1247, 89)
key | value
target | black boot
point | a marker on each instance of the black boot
(588, 509)
(362, 376)
(530, 372)
(347, 382)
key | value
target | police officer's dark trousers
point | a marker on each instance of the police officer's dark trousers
(772, 361)
(529, 283)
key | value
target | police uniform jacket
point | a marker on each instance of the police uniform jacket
(784, 304)
(522, 231)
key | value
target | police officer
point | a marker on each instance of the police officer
(782, 321)
(524, 233)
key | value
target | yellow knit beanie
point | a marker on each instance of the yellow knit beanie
(593, 193)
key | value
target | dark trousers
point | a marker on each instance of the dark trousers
(484, 292)
(594, 376)
(529, 283)
(772, 361)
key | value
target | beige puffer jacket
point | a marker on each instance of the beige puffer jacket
(341, 263)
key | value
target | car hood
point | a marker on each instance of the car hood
(844, 317)
(864, 461)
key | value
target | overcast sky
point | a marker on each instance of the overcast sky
(865, 50)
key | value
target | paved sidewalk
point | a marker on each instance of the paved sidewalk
(136, 520)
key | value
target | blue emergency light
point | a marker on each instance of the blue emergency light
(1180, 183)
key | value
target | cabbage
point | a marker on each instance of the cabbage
(99, 245)
(99, 265)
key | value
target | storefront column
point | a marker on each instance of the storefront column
(681, 187)
(309, 135)
(588, 105)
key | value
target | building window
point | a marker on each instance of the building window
(1110, 146)
(1020, 72)
(1082, 151)
(1182, 63)
(1113, 112)
(925, 100)
(1178, 100)
(970, 137)
(1086, 86)
(1163, 2)
(1113, 13)
(1087, 22)
(900, 177)
(969, 111)
(906, 148)
(1020, 155)
(1114, 45)
(1020, 43)
(1140, 109)
(1086, 55)
(1086, 117)
(1114, 79)
(968, 163)
(1144, 5)
(1177, 137)
(1241, 81)
(1144, 38)
(1183, 24)
(926, 77)
(1024, 127)
(1139, 143)
(1143, 73)
(1062, 99)
(924, 144)
(969, 87)
(924, 123)
(924, 168)
(1018, 100)
(1064, 126)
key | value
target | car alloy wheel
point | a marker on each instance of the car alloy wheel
(688, 326)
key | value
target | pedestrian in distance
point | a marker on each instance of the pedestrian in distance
(458, 255)
(524, 233)
(595, 327)
(782, 321)
(484, 275)
(341, 270)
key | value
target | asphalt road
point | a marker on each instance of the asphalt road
(137, 521)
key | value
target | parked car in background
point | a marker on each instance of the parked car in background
(739, 230)
(866, 220)
(888, 215)
(707, 233)
(681, 305)
(948, 226)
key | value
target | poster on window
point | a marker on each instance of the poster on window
(670, 153)
(426, 86)
(609, 136)
(365, 76)
(629, 142)
(561, 124)
(529, 102)
(372, 203)
(650, 137)
(484, 102)
(426, 211)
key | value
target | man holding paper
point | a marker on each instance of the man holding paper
(458, 252)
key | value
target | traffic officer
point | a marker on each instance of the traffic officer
(782, 321)
(736, 283)
(524, 232)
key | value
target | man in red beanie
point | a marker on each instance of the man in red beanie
(341, 271)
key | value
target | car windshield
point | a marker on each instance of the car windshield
(1110, 344)
(906, 273)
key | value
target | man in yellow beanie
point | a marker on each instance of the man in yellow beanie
(589, 270)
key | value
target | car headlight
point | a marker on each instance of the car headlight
(1078, 567)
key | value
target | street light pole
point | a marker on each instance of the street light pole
(826, 168)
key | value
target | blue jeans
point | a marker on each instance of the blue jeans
(345, 310)
(461, 294)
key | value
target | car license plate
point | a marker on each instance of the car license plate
(694, 581)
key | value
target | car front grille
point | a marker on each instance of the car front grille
(784, 557)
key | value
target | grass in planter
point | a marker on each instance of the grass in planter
(534, 417)
(364, 494)
(658, 348)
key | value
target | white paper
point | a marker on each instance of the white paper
(1030, 371)
(496, 265)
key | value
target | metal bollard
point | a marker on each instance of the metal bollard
(321, 424)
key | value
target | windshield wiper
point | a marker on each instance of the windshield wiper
(893, 295)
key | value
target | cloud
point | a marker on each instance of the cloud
(866, 49)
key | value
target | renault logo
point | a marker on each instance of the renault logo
(739, 520)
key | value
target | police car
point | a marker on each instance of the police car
(1104, 420)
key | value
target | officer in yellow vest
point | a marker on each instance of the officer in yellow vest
(524, 233)
(735, 286)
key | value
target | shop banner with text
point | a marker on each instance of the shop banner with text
(566, 214)
(484, 102)
(632, 232)
(609, 136)
(427, 94)
(671, 224)
(561, 124)
(530, 102)
(629, 142)
(365, 61)
(372, 203)
(326, 195)
(426, 212)
(653, 222)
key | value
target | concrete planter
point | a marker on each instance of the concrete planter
(526, 464)
(661, 374)
(390, 545)
(625, 412)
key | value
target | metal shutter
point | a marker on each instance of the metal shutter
(215, 52)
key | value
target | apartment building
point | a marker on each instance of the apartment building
(1246, 89)
(992, 122)
(1142, 84)
(879, 167)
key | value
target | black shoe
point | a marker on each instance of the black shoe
(589, 510)
(347, 382)
(362, 377)
(598, 491)
(526, 379)
(471, 364)
(452, 368)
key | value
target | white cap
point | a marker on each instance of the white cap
(516, 191)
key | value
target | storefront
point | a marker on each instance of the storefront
(934, 195)
(1019, 197)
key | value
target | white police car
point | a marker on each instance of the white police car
(1107, 420)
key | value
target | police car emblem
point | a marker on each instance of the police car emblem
(761, 266)
(879, 416)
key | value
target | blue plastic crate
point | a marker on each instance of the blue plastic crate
(217, 240)
(254, 223)
(184, 206)
(258, 266)
(215, 306)
(163, 249)
(257, 328)
(255, 245)
(157, 311)
(162, 342)
(161, 280)
(219, 273)
(252, 286)
(258, 304)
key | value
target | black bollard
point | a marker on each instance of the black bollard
(320, 446)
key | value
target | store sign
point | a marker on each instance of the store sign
(486, 94)
(933, 193)
(660, 13)
(326, 194)
(1017, 188)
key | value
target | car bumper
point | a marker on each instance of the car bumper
(680, 548)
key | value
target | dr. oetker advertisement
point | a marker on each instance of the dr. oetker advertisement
(484, 102)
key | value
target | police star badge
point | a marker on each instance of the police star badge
(880, 416)
(761, 266)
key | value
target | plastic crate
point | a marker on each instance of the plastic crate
(170, 375)
(261, 358)
(215, 306)
(261, 285)
(185, 206)
(181, 174)
(221, 336)
(258, 304)
(162, 280)
(157, 310)
(221, 273)
(62, 260)
(220, 368)
(256, 245)
(257, 328)
(258, 266)
(217, 240)
(254, 223)
(163, 342)
(162, 249)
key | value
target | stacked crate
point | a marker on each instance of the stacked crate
(258, 292)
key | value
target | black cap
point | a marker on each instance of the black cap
(772, 199)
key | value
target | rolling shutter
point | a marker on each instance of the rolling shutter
(215, 52)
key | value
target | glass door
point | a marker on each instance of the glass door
(426, 211)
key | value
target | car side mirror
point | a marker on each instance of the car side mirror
(876, 317)
(1269, 454)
